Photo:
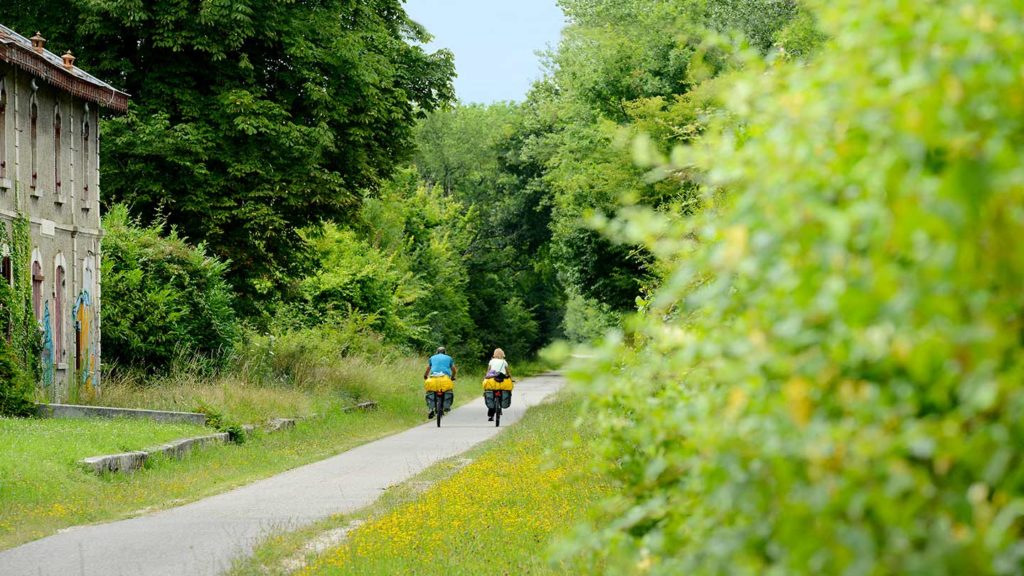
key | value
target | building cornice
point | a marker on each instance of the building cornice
(17, 51)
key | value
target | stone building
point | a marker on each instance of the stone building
(49, 174)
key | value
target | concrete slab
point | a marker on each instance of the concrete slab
(204, 537)
(363, 406)
(124, 462)
(279, 424)
(180, 448)
(131, 461)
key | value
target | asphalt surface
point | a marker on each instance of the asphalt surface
(202, 538)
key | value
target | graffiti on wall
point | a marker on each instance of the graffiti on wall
(48, 351)
(85, 350)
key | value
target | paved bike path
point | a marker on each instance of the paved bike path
(202, 538)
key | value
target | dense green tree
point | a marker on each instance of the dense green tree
(455, 149)
(481, 156)
(625, 68)
(424, 234)
(250, 119)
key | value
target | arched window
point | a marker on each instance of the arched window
(3, 128)
(6, 271)
(56, 150)
(37, 290)
(34, 141)
(86, 158)
(58, 312)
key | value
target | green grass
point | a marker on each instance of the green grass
(51, 492)
(38, 462)
(501, 513)
(533, 367)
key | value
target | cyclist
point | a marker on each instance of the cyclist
(440, 377)
(499, 377)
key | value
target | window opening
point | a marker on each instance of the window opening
(34, 142)
(56, 152)
(37, 290)
(58, 300)
(3, 129)
(88, 158)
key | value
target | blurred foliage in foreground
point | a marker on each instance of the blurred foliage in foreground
(828, 380)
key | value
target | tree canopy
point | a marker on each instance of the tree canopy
(250, 119)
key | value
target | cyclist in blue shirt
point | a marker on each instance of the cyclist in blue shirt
(440, 365)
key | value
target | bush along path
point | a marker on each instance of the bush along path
(205, 536)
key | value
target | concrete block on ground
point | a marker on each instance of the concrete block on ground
(278, 424)
(124, 462)
(362, 406)
(76, 411)
(180, 448)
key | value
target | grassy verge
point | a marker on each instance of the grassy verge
(533, 367)
(38, 465)
(244, 399)
(499, 514)
(50, 492)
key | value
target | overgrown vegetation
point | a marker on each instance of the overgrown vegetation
(16, 385)
(414, 269)
(827, 379)
(162, 299)
(20, 345)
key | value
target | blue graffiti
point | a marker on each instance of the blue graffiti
(47, 349)
(83, 300)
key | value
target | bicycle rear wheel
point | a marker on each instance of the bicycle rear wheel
(497, 408)
(439, 406)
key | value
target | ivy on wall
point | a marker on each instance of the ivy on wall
(20, 346)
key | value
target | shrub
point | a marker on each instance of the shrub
(354, 277)
(16, 385)
(162, 298)
(829, 379)
(304, 356)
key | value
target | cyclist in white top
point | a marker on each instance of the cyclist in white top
(498, 365)
(497, 372)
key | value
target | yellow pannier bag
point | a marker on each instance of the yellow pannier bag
(492, 384)
(438, 384)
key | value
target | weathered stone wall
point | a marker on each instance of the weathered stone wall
(62, 204)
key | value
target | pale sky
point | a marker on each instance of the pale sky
(494, 42)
